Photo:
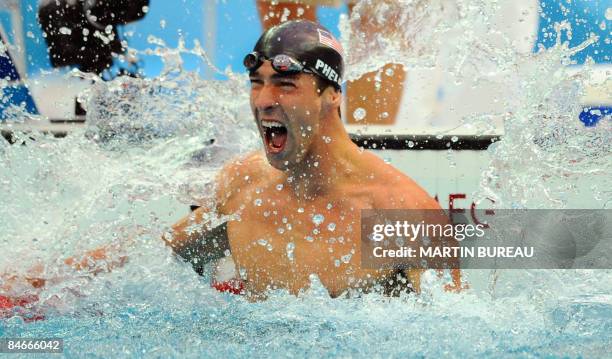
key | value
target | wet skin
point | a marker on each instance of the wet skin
(277, 194)
(284, 218)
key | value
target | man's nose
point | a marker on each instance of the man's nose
(265, 99)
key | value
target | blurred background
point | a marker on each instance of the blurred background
(424, 107)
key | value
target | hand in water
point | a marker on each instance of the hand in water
(15, 282)
(22, 289)
(108, 257)
(100, 260)
(20, 293)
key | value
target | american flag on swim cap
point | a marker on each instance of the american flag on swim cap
(329, 40)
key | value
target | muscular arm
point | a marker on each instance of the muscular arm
(191, 238)
(93, 262)
(197, 247)
(195, 243)
(409, 195)
(194, 238)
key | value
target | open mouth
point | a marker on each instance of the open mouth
(275, 134)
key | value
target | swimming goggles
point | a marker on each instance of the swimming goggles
(281, 63)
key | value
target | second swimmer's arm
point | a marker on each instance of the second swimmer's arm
(103, 259)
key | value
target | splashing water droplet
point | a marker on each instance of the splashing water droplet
(309, 239)
(279, 186)
(269, 247)
(346, 258)
(258, 202)
(317, 219)
(510, 176)
(262, 242)
(290, 249)
(331, 227)
(300, 210)
(359, 114)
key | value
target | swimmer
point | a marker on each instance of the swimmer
(380, 100)
(299, 200)
(295, 204)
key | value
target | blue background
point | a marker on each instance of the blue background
(238, 27)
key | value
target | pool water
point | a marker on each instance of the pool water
(152, 147)
(174, 314)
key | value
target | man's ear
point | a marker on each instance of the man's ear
(332, 97)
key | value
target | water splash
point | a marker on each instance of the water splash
(151, 148)
(148, 153)
(559, 157)
(536, 102)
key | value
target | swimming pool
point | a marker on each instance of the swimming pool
(152, 147)
(177, 315)
(68, 195)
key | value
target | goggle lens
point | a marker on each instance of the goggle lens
(286, 64)
(280, 63)
(252, 61)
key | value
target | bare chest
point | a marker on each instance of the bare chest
(279, 243)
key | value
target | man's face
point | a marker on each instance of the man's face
(287, 109)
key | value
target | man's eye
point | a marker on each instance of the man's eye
(287, 84)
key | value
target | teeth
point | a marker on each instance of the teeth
(268, 124)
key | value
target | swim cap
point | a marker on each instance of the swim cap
(307, 42)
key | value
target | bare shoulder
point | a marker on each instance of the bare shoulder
(238, 174)
(395, 190)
